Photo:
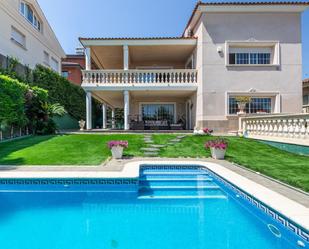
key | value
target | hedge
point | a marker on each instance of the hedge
(61, 91)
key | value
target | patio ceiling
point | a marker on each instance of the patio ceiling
(115, 98)
(111, 57)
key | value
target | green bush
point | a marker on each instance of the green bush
(22, 105)
(61, 91)
(12, 102)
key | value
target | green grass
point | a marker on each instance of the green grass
(92, 150)
(285, 166)
(65, 149)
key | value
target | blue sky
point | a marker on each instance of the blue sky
(71, 19)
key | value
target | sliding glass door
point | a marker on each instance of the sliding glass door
(158, 112)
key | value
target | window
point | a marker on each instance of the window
(29, 14)
(306, 99)
(249, 58)
(54, 64)
(158, 112)
(257, 105)
(46, 58)
(18, 37)
(252, 52)
(65, 74)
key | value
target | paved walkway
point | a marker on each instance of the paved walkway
(118, 165)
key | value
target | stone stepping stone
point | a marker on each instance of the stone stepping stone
(148, 153)
(149, 142)
(180, 137)
(157, 145)
(150, 149)
(170, 143)
(175, 140)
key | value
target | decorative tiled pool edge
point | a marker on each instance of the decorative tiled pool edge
(66, 181)
(286, 222)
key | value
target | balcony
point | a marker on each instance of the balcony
(139, 77)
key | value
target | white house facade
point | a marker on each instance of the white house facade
(227, 51)
(26, 35)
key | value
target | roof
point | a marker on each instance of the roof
(306, 81)
(136, 38)
(199, 3)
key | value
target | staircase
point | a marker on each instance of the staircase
(162, 183)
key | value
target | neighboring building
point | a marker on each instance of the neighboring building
(306, 95)
(227, 50)
(25, 34)
(72, 67)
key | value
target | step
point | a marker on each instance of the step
(177, 187)
(145, 197)
(180, 192)
(176, 173)
(188, 183)
(175, 178)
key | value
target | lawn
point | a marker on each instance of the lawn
(92, 150)
(65, 149)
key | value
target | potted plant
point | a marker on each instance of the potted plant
(81, 124)
(217, 148)
(207, 131)
(116, 148)
(241, 102)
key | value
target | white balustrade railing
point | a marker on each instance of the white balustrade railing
(292, 126)
(139, 76)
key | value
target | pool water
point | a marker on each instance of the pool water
(293, 148)
(171, 209)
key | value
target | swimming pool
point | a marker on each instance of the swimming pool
(294, 148)
(168, 206)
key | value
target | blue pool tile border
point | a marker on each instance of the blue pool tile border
(286, 222)
(75, 181)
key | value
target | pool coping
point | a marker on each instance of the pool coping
(287, 207)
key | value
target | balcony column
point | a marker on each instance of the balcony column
(87, 58)
(125, 57)
(126, 109)
(113, 118)
(88, 111)
(103, 116)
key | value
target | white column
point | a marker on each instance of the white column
(88, 111)
(103, 116)
(126, 109)
(113, 118)
(125, 57)
(88, 58)
(277, 108)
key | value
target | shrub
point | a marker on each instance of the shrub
(207, 131)
(61, 91)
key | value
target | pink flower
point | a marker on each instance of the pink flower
(113, 143)
(217, 144)
(207, 131)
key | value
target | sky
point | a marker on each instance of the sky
(71, 19)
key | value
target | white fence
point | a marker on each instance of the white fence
(139, 76)
(280, 127)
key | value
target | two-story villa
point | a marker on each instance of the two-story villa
(227, 50)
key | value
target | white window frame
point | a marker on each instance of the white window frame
(275, 103)
(36, 22)
(22, 45)
(274, 45)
